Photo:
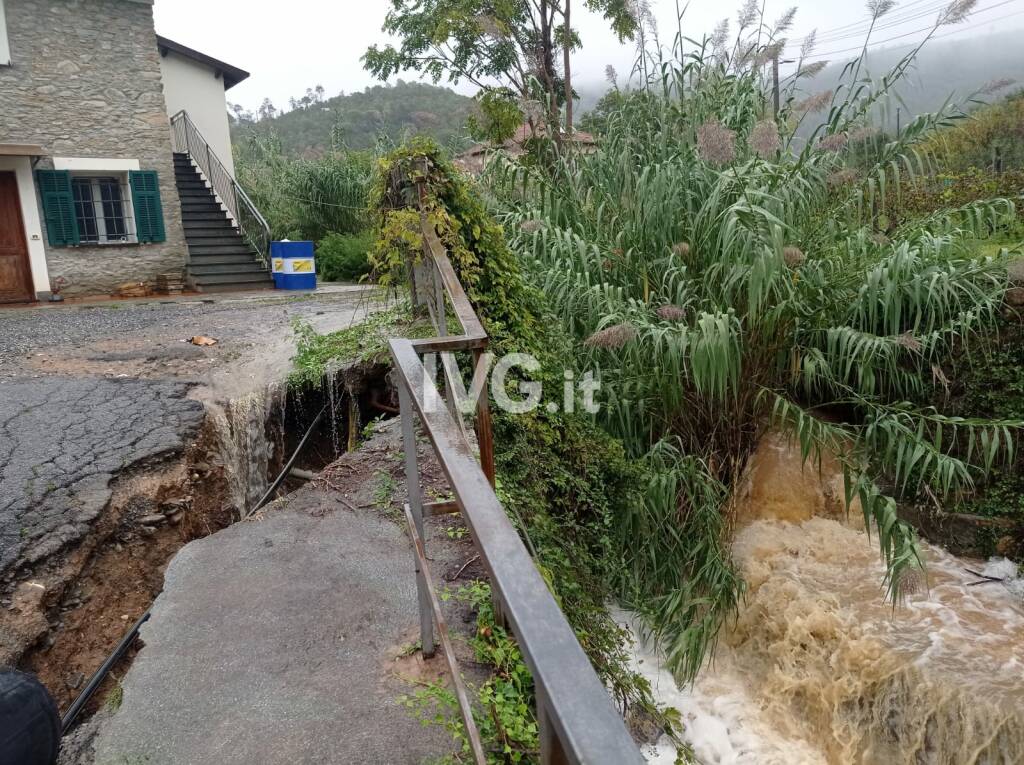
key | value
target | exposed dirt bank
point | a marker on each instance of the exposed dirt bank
(110, 463)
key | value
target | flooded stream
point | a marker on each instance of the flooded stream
(818, 667)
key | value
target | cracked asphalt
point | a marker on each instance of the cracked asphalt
(63, 439)
(87, 391)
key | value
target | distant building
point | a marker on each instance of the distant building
(94, 187)
(196, 83)
(474, 159)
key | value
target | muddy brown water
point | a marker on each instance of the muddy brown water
(818, 668)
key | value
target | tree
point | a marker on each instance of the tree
(596, 120)
(240, 113)
(566, 65)
(480, 41)
(267, 109)
(498, 115)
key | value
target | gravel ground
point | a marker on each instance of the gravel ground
(28, 331)
(75, 330)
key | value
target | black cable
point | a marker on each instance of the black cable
(875, 44)
(94, 682)
(288, 466)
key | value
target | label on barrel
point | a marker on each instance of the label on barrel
(300, 265)
(277, 265)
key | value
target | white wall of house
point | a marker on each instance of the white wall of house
(193, 86)
(22, 167)
(5, 44)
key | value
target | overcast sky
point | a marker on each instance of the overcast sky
(290, 46)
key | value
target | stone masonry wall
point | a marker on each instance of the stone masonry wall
(84, 81)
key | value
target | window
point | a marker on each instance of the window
(101, 211)
(5, 47)
(97, 207)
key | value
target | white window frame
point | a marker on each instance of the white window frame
(131, 232)
(5, 45)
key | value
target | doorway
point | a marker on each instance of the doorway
(15, 271)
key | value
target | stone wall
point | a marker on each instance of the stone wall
(84, 81)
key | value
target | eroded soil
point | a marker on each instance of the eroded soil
(107, 466)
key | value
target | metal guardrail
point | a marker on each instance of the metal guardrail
(186, 139)
(578, 721)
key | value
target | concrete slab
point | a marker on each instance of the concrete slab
(274, 642)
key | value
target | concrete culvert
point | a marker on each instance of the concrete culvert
(29, 722)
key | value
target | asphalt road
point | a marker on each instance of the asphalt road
(87, 391)
(61, 442)
(275, 641)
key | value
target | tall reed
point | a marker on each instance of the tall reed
(753, 280)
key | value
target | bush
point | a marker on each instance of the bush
(993, 128)
(921, 197)
(342, 257)
(305, 198)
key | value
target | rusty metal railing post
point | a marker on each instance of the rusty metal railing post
(484, 434)
(551, 751)
(412, 484)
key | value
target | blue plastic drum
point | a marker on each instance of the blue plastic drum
(293, 265)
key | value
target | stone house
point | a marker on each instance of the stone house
(474, 159)
(101, 183)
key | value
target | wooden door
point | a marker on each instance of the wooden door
(15, 273)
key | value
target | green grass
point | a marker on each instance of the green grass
(384, 489)
(363, 342)
(116, 697)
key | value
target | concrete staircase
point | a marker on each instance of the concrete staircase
(220, 259)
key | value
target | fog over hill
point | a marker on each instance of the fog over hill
(944, 68)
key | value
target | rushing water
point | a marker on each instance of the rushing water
(245, 449)
(250, 429)
(818, 668)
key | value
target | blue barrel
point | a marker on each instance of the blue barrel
(293, 266)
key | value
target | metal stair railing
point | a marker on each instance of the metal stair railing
(577, 719)
(186, 139)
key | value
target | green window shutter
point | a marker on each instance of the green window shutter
(58, 207)
(149, 214)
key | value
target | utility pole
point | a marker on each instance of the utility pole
(568, 75)
(775, 84)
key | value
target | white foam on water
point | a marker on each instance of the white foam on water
(723, 723)
(818, 668)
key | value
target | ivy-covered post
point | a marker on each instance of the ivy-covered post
(417, 291)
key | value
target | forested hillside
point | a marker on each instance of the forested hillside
(397, 111)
